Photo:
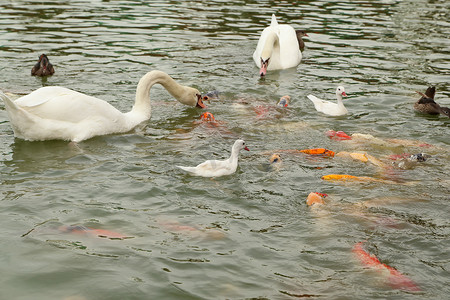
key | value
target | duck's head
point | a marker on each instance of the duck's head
(239, 145)
(340, 92)
(301, 33)
(445, 111)
(43, 67)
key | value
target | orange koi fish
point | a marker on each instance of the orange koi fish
(395, 278)
(82, 230)
(315, 198)
(207, 117)
(344, 177)
(318, 151)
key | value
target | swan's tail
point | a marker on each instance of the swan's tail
(187, 169)
(8, 102)
(274, 21)
(317, 102)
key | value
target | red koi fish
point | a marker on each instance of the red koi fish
(82, 230)
(395, 278)
(338, 135)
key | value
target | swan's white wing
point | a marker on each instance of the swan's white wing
(62, 104)
(289, 51)
(210, 168)
(327, 107)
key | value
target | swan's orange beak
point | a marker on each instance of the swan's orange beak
(200, 102)
(264, 65)
(344, 94)
(245, 148)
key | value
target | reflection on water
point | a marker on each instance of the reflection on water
(249, 235)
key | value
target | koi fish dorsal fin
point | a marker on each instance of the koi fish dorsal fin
(274, 21)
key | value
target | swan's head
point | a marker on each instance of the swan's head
(192, 97)
(264, 65)
(239, 145)
(340, 91)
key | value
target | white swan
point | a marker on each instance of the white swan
(59, 113)
(277, 48)
(330, 108)
(216, 168)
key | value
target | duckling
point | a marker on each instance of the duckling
(43, 67)
(301, 43)
(427, 105)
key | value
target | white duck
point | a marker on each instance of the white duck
(330, 108)
(277, 48)
(216, 168)
(59, 113)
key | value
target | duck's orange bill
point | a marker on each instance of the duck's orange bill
(395, 278)
(315, 198)
(318, 151)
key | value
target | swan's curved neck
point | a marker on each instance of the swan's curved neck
(271, 40)
(142, 102)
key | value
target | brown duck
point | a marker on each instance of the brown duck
(427, 105)
(301, 43)
(43, 67)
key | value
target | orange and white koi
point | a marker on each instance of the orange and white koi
(316, 198)
(395, 278)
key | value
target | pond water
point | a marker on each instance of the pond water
(251, 234)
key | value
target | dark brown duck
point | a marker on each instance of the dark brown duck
(43, 67)
(300, 35)
(427, 105)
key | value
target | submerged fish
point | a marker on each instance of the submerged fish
(78, 229)
(338, 135)
(395, 278)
